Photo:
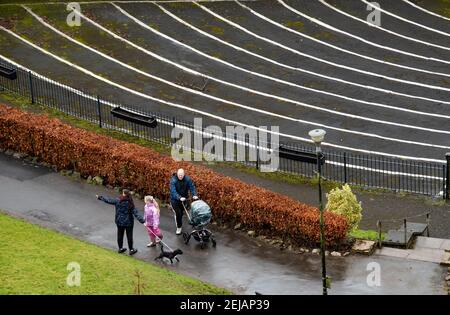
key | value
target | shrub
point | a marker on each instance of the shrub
(343, 201)
(148, 172)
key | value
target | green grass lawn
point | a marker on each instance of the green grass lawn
(366, 235)
(34, 260)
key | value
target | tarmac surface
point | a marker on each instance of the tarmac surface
(239, 263)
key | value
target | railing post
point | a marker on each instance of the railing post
(379, 233)
(444, 170)
(30, 76)
(447, 177)
(99, 112)
(406, 232)
(173, 125)
(345, 167)
(235, 145)
(257, 149)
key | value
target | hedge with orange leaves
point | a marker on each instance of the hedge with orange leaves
(148, 172)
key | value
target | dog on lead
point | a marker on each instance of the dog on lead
(171, 255)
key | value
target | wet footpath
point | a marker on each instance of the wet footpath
(239, 263)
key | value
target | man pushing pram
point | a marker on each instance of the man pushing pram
(200, 213)
(180, 185)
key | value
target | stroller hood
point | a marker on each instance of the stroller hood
(200, 213)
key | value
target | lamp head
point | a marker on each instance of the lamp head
(317, 135)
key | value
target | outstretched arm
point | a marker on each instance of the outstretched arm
(111, 201)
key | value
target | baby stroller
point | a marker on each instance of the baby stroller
(199, 217)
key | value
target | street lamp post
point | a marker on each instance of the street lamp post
(317, 136)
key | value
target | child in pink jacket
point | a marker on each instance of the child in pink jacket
(151, 216)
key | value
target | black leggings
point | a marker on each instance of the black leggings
(179, 211)
(120, 232)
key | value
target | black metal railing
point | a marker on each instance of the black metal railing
(370, 171)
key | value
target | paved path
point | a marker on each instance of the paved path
(238, 263)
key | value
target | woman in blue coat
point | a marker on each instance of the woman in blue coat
(125, 214)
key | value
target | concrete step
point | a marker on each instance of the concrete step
(431, 242)
(446, 259)
(397, 238)
(425, 249)
(421, 254)
(414, 228)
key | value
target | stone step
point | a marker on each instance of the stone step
(446, 259)
(429, 249)
(431, 242)
(396, 238)
(414, 228)
(421, 254)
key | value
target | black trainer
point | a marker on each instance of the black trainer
(122, 250)
(133, 251)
